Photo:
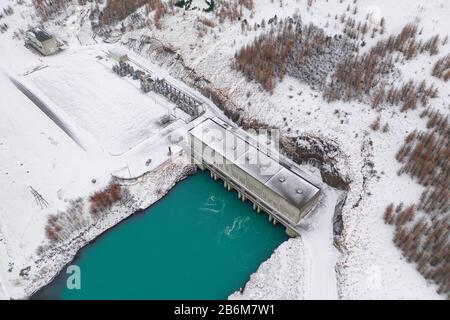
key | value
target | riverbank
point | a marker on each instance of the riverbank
(303, 267)
(203, 249)
(369, 265)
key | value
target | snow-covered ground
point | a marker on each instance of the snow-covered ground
(116, 126)
(101, 125)
(37, 154)
(111, 110)
(370, 266)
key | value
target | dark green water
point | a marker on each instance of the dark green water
(198, 242)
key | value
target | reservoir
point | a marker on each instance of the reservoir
(198, 242)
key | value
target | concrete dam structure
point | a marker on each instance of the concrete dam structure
(258, 174)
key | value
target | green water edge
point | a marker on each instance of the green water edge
(198, 242)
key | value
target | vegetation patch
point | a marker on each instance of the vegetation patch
(117, 10)
(367, 76)
(46, 9)
(422, 230)
(304, 52)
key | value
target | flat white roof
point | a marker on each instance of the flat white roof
(118, 52)
(265, 168)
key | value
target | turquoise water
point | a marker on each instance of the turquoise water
(198, 242)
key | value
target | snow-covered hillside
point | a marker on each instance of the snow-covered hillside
(109, 117)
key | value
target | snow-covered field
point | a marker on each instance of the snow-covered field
(118, 131)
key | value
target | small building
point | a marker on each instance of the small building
(42, 41)
(268, 181)
(118, 54)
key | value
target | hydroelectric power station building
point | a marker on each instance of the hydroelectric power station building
(255, 172)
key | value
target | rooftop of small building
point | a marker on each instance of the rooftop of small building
(262, 163)
(41, 35)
